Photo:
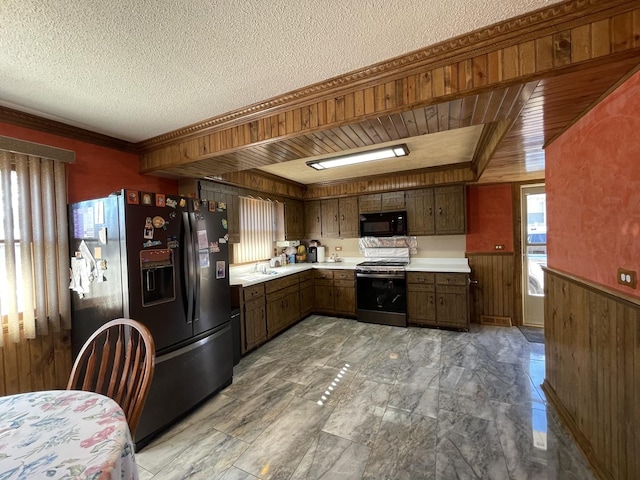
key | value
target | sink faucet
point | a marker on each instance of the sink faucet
(255, 269)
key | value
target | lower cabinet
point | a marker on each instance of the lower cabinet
(335, 292)
(253, 318)
(307, 297)
(438, 299)
(283, 304)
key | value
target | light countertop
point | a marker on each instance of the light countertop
(245, 275)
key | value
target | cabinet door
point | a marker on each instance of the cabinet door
(344, 298)
(370, 203)
(307, 301)
(255, 324)
(292, 305)
(312, 219)
(324, 298)
(450, 210)
(330, 221)
(392, 201)
(452, 306)
(349, 219)
(276, 314)
(294, 220)
(421, 304)
(420, 209)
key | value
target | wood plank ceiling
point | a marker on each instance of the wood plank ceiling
(526, 80)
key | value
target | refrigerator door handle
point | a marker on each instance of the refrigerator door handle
(196, 267)
(188, 261)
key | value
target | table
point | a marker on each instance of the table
(64, 434)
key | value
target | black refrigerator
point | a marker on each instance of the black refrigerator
(162, 260)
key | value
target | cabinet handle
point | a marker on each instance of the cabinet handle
(440, 210)
(342, 217)
(430, 211)
(335, 217)
(318, 219)
(441, 301)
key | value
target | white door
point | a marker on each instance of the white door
(534, 253)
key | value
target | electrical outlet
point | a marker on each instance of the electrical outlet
(338, 249)
(628, 278)
(499, 247)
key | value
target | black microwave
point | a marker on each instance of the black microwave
(386, 224)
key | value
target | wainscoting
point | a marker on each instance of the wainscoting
(43, 363)
(494, 294)
(592, 340)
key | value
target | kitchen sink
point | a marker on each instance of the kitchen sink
(259, 275)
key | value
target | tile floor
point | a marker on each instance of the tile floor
(333, 398)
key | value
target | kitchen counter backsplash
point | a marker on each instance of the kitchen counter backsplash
(247, 275)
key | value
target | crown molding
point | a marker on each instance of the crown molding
(33, 122)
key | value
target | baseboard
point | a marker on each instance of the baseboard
(495, 320)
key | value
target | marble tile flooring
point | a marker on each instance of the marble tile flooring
(333, 399)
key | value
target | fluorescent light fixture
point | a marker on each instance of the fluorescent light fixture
(368, 156)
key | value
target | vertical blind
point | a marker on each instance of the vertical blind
(257, 230)
(34, 252)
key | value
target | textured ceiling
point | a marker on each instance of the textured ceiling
(137, 69)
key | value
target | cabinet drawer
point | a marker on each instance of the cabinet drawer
(306, 284)
(280, 283)
(253, 292)
(451, 279)
(282, 293)
(421, 288)
(323, 274)
(343, 283)
(253, 304)
(343, 275)
(452, 289)
(421, 277)
(304, 276)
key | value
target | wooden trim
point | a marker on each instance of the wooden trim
(596, 288)
(542, 22)
(484, 254)
(518, 315)
(26, 120)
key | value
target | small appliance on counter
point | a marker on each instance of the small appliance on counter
(320, 254)
(312, 255)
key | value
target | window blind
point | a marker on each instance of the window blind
(257, 230)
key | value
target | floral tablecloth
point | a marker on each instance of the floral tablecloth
(64, 434)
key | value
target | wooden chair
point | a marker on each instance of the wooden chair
(117, 361)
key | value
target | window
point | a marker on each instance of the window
(34, 252)
(257, 230)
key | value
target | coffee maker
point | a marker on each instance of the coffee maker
(312, 255)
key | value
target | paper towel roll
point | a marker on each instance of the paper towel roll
(320, 254)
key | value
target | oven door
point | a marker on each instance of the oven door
(382, 298)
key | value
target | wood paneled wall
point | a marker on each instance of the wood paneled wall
(592, 346)
(494, 294)
(42, 363)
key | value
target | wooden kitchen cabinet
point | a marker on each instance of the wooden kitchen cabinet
(335, 292)
(420, 209)
(294, 220)
(253, 316)
(450, 210)
(330, 218)
(312, 219)
(283, 304)
(436, 211)
(349, 218)
(381, 202)
(438, 299)
(340, 218)
(307, 296)
(228, 196)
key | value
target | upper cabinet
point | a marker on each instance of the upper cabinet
(381, 202)
(437, 211)
(293, 219)
(340, 217)
(224, 194)
(450, 210)
(312, 219)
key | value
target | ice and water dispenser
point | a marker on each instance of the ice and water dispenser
(158, 276)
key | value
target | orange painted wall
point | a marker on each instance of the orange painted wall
(98, 171)
(489, 218)
(593, 191)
